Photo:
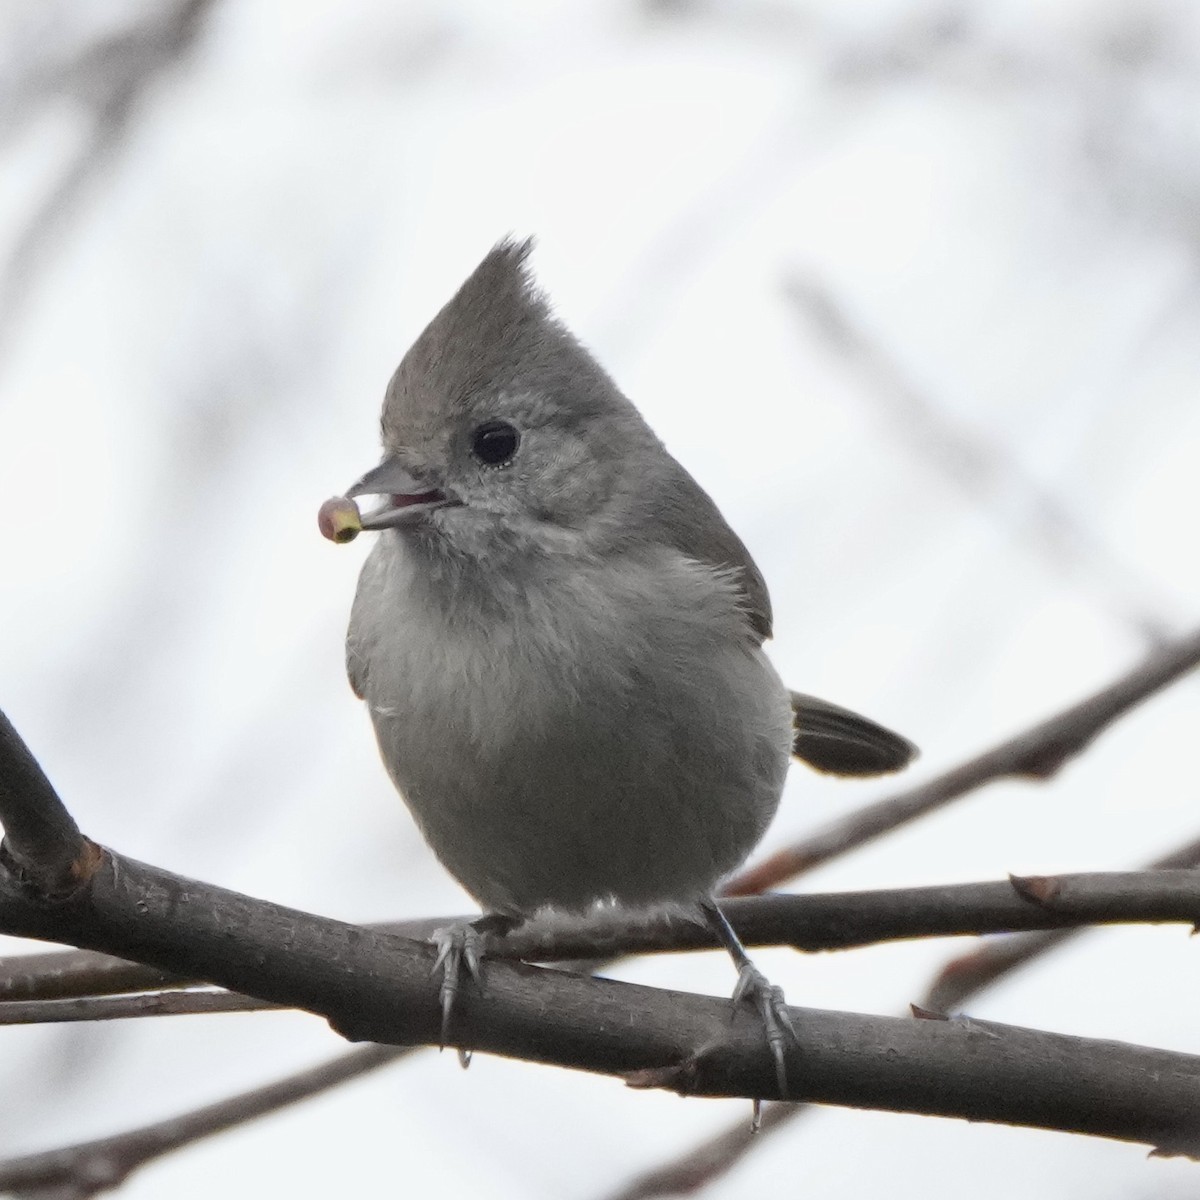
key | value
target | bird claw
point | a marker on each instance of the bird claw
(458, 946)
(753, 987)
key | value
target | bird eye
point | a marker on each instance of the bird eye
(494, 443)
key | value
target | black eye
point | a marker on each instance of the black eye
(495, 443)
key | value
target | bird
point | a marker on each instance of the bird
(559, 640)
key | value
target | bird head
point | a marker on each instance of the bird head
(499, 421)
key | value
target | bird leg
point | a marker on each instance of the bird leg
(464, 944)
(756, 989)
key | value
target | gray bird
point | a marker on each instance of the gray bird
(559, 639)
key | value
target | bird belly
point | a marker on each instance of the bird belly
(532, 795)
(573, 754)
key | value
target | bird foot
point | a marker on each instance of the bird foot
(754, 988)
(461, 948)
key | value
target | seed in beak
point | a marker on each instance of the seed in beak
(339, 519)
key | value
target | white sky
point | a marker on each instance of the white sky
(1002, 196)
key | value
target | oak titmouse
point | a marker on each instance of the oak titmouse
(559, 638)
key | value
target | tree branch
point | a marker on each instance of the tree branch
(958, 981)
(811, 922)
(371, 986)
(42, 843)
(1036, 753)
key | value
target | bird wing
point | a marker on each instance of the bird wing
(682, 514)
(827, 737)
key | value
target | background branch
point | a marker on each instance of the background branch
(57, 974)
(981, 466)
(116, 75)
(968, 974)
(189, 1001)
(90, 1168)
(1036, 753)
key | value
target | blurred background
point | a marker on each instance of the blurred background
(911, 286)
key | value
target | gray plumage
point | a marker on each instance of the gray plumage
(561, 655)
(559, 640)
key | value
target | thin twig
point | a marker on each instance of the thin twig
(58, 974)
(845, 920)
(97, 1166)
(189, 1001)
(1036, 753)
(968, 974)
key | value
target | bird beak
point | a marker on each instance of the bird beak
(405, 495)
